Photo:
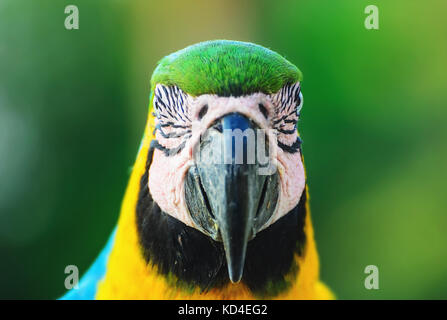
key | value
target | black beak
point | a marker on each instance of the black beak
(229, 193)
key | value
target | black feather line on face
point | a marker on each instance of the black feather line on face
(170, 112)
(287, 101)
(284, 131)
(197, 261)
(170, 103)
(171, 134)
(173, 125)
(295, 147)
(168, 151)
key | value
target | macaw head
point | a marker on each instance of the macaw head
(226, 154)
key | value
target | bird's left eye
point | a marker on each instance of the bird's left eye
(299, 103)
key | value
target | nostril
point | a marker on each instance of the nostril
(218, 127)
(203, 112)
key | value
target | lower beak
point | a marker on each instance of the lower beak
(228, 196)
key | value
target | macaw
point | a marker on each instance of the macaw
(217, 205)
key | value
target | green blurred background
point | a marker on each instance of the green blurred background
(73, 106)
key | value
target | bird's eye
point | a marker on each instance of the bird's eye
(203, 112)
(263, 110)
(299, 103)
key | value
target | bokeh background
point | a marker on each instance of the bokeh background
(73, 106)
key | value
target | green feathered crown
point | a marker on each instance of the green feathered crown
(225, 68)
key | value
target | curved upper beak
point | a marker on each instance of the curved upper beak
(228, 196)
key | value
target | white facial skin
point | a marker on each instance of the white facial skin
(167, 173)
